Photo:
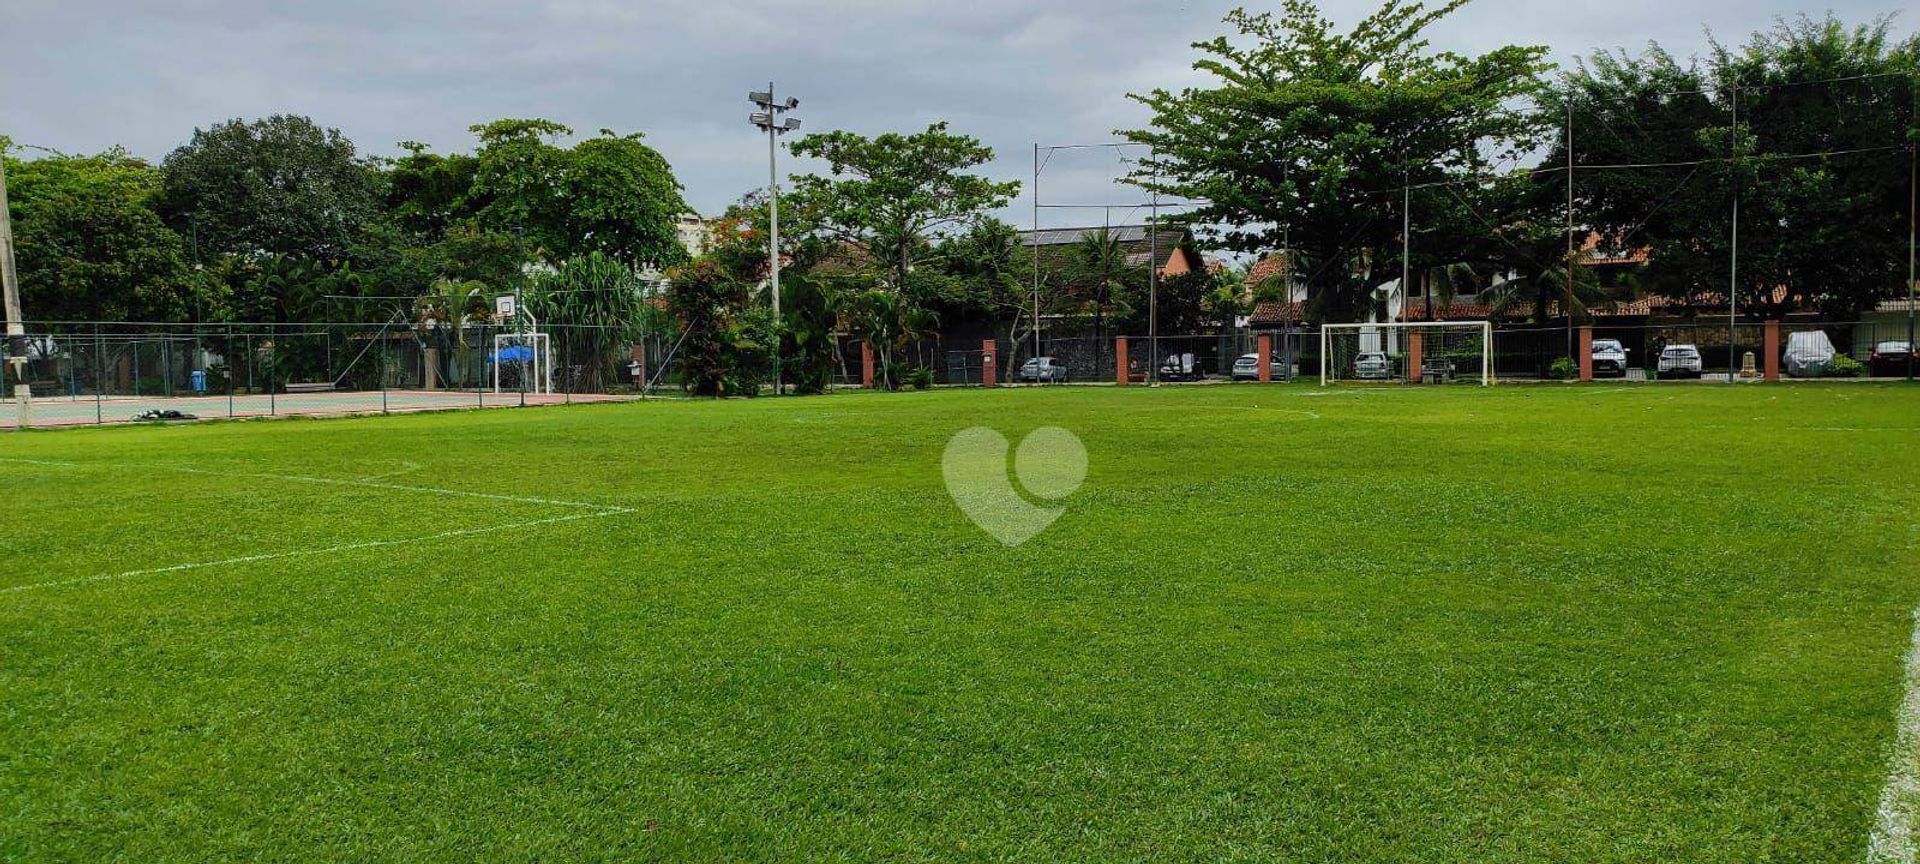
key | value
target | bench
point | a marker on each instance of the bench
(310, 387)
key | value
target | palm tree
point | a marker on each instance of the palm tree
(440, 319)
(1100, 273)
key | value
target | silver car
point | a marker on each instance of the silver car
(1372, 366)
(1680, 361)
(1043, 369)
(1247, 368)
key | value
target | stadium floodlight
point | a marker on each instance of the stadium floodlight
(1407, 352)
(768, 120)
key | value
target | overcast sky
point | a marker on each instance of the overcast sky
(82, 75)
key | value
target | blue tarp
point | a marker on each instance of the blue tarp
(512, 354)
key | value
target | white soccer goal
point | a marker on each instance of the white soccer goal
(522, 362)
(1415, 352)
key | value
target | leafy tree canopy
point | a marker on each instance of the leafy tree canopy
(89, 246)
(610, 194)
(1305, 128)
(891, 197)
(278, 186)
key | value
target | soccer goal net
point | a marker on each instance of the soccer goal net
(522, 363)
(1407, 353)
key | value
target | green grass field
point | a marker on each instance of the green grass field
(1542, 623)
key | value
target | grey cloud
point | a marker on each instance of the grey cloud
(83, 75)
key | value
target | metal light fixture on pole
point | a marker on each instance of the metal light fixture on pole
(16, 328)
(768, 119)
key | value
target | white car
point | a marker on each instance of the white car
(1609, 358)
(1043, 369)
(1680, 361)
(1372, 366)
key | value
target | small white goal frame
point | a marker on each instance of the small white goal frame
(1486, 337)
(540, 372)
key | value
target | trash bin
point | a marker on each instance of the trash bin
(198, 380)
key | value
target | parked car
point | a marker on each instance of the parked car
(1043, 370)
(1889, 359)
(1609, 358)
(1372, 366)
(1680, 361)
(1808, 354)
(1247, 368)
(1180, 367)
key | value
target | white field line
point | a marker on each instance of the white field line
(325, 550)
(594, 511)
(1892, 838)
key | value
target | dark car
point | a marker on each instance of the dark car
(1889, 359)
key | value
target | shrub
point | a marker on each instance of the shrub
(1844, 367)
(1562, 369)
(921, 378)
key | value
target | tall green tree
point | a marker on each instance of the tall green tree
(892, 197)
(1308, 132)
(90, 247)
(611, 194)
(278, 186)
(1816, 231)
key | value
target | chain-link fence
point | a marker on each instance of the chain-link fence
(87, 373)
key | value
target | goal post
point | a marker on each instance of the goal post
(1408, 352)
(522, 362)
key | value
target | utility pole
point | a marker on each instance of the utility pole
(1153, 277)
(1568, 303)
(1036, 250)
(1406, 239)
(1733, 262)
(16, 328)
(768, 119)
(1913, 209)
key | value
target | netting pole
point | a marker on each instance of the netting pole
(273, 348)
(1733, 256)
(385, 361)
(1486, 356)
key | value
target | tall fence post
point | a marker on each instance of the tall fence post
(1770, 345)
(231, 380)
(1263, 347)
(1586, 352)
(1120, 360)
(100, 383)
(989, 367)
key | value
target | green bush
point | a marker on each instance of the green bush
(1845, 367)
(1562, 369)
(921, 378)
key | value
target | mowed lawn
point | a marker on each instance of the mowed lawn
(1531, 623)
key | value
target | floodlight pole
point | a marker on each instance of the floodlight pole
(769, 120)
(10, 282)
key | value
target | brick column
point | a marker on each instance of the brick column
(1120, 360)
(1585, 347)
(866, 365)
(1264, 345)
(1416, 341)
(1770, 348)
(989, 363)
